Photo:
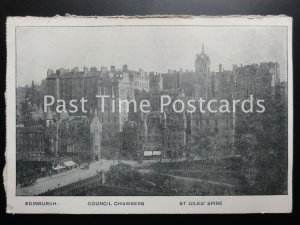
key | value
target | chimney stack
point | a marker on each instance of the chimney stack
(85, 70)
(220, 68)
(49, 72)
(141, 71)
(103, 69)
(93, 69)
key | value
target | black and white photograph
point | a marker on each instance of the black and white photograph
(159, 107)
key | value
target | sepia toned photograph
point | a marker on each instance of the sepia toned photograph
(160, 107)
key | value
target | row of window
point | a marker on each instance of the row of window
(109, 119)
(25, 141)
(154, 138)
(31, 155)
(109, 91)
(214, 123)
(28, 150)
(29, 135)
(141, 84)
(178, 145)
(72, 148)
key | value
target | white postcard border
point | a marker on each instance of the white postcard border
(153, 204)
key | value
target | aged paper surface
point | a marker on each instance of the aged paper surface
(149, 114)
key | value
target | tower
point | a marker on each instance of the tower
(202, 70)
(202, 63)
(96, 131)
(49, 118)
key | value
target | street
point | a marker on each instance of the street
(64, 178)
(67, 177)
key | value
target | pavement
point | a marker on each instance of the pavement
(64, 178)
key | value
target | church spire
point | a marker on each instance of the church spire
(202, 62)
(49, 114)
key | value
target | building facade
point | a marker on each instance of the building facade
(171, 134)
(31, 142)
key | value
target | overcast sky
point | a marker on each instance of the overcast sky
(150, 48)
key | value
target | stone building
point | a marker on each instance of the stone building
(74, 138)
(212, 135)
(118, 87)
(118, 84)
(204, 128)
(67, 85)
(175, 134)
(151, 135)
(130, 140)
(260, 80)
(168, 134)
(155, 82)
(171, 80)
(30, 142)
(31, 150)
(156, 135)
(20, 98)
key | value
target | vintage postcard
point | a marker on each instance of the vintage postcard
(159, 114)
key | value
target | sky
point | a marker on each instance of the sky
(152, 48)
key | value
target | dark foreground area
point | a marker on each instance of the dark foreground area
(226, 176)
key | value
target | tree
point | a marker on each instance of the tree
(262, 141)
(123, 175)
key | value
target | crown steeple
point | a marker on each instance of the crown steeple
(202, 62)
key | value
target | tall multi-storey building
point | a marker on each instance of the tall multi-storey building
(261, 80)
(31, 142)
(155, 82)
(159, 135)
(151, 135)
(205, 128)
(74, 84)
(118, 84)
(175, 134)
(166, 134)
(78, 137)
(130, 140)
